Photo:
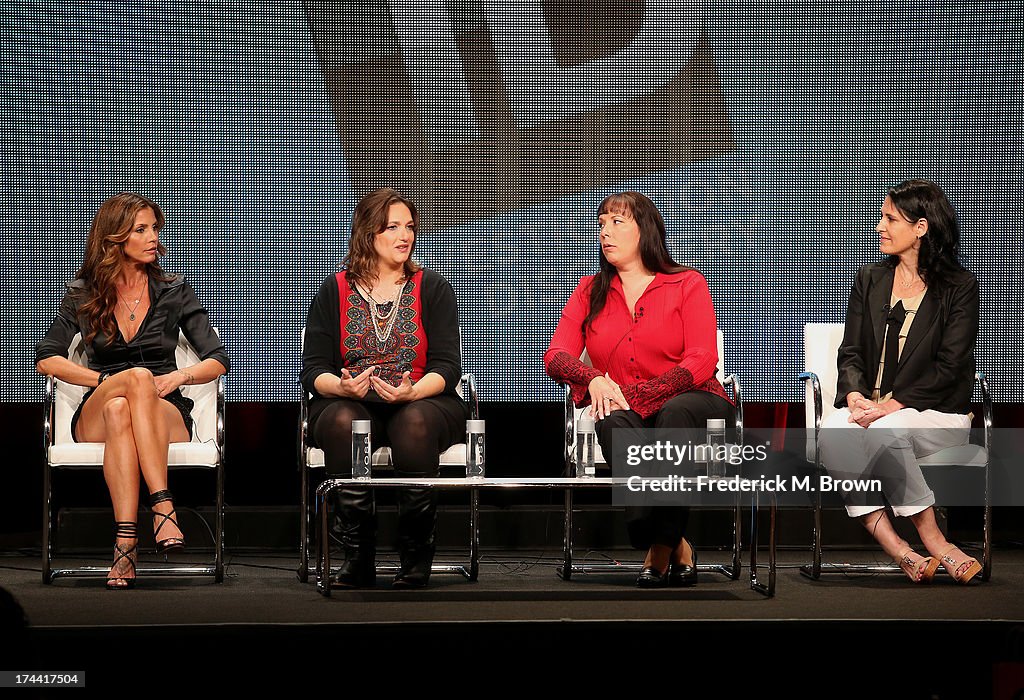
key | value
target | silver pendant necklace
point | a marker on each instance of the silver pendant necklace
(131, 309)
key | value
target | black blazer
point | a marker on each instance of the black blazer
(936, 368)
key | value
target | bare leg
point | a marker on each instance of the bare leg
(121, 472)
(683, 553)
(150, 425)
(658, 557)
(960, 566)
(916, 567)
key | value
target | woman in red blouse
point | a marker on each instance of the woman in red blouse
(382, 344)
(649, 328)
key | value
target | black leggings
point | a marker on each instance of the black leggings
(417, 433)
(665, 525)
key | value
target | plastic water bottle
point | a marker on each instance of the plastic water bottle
(586, 440)
(716, 453)
(475, 459)
(362, 450)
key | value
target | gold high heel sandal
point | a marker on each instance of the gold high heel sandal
(923, 569)
(962, 570)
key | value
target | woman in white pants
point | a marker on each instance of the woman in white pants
(906, 370)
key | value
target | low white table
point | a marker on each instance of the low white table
(551, 483)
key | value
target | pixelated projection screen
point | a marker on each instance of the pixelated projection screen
(767, 134)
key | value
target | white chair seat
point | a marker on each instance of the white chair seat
(960, 456)
(88, 455)
(454, 456)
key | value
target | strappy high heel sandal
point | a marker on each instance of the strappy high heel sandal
(962, 570)
(168, 543)
(923, 569)
(123, 530)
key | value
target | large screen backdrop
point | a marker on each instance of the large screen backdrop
(766, 133)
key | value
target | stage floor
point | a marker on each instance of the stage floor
(945, 640)
(512, 587)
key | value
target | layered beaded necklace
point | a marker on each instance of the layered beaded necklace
(383, 314)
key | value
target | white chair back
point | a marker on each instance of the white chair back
(67, 397)
(821, 350)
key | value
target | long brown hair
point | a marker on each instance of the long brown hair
(104, 258)
(369, 219)
(653, 250)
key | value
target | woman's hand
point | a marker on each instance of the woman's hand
(605, 397)
(350, 387)
(403, 393)
(864, 411)
(166, 383)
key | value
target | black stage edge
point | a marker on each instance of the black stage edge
(520, 626)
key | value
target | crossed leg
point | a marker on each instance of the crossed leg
(136, 426)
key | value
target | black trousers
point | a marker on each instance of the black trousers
(665, 525)
(417, 433)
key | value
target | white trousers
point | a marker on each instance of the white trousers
(888, 450)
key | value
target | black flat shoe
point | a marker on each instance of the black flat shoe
(683, 575)
(416, 565)
(359, 570)
(651, 578)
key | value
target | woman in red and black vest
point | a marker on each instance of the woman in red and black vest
(382, 344)
(649, 328)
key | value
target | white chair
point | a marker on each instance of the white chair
(312, 458)
(204, 452)
(821, 350)
(572, 415)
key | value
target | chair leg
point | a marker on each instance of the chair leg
(737, 541)
(47, 524)
(218, 568)
(323, 551)
(566, 572)
(304, 528)
(474, 534)
(986, 553)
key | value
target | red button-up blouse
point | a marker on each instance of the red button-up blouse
(668, 346)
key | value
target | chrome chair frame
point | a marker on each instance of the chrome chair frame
(49, 574)
(470, 571)
(730, 570)
(817, 567)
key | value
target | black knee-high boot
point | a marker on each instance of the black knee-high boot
(355, 527)
(417, 518)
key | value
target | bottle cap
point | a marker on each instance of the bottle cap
(585, 424)
(361, 426)
(475, 426)
(716, 424)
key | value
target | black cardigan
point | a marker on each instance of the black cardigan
(321, 350)
(936, 367)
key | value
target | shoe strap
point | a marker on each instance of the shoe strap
(160, 496)
(126, 529)
(123, 553)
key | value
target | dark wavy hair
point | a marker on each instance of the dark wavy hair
(104, 259)
(369, 219)
(653, 251)
(939, 255)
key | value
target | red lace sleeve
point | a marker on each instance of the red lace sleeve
(647, 398)
(563, 367)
